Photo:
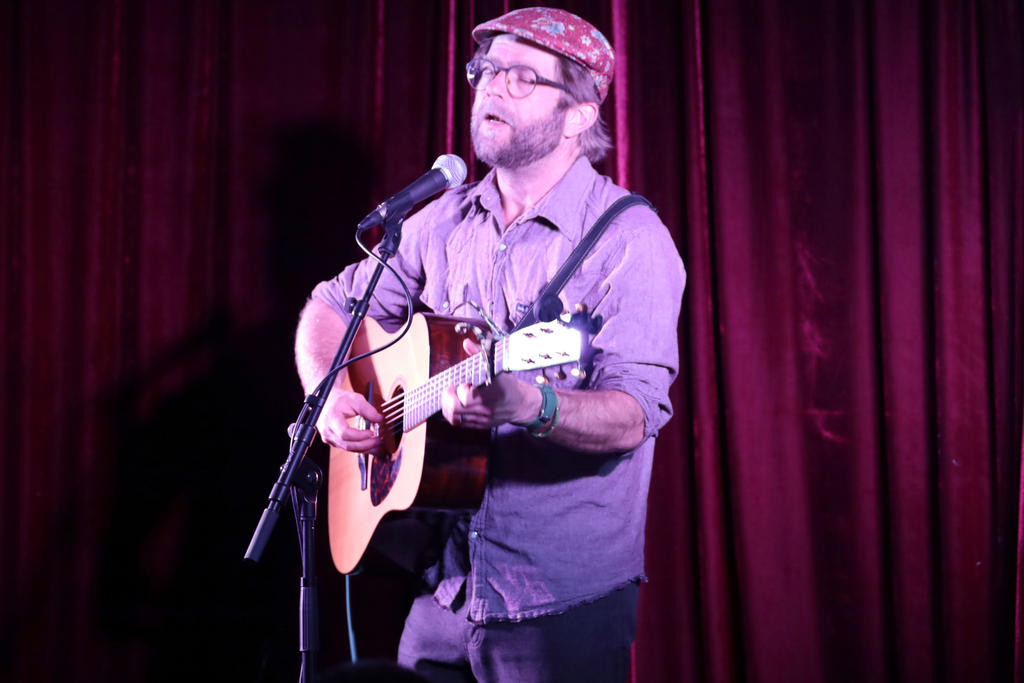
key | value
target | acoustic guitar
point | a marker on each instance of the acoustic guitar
(428, 463)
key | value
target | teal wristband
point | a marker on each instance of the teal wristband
(548, 409)
(550, 427)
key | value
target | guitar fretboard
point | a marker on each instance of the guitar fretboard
(421, 402)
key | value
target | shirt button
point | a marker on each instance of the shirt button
(444, 305)
(474, 534)
(502, 247)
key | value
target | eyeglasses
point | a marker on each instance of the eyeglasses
(519, 80)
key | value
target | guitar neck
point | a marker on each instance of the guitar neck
(424, 400)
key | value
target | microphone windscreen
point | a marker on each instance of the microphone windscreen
(453, 168)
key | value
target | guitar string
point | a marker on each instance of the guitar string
(425, 396)
(408, 409)
(422, 401)
(470, 366)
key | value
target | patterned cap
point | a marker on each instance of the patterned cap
(561, 32)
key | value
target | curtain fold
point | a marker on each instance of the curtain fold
(838, 495)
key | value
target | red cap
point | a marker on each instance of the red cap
(562, 32)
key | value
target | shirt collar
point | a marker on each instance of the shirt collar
(564, 206)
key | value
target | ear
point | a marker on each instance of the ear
(579, 117)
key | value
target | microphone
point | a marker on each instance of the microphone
(447, 172)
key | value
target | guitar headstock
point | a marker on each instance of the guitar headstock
(546, 344)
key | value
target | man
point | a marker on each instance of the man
(540, 583)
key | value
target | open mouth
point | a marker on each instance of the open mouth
(494, 118)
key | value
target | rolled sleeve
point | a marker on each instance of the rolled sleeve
(647, 384)
(639, 299)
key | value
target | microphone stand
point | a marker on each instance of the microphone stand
(302, 477)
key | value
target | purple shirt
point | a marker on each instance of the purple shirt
(556, 527)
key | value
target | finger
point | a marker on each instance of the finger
(465, 394)
(474, 411)
(367, 446)
(474, 422)
(365, 409)
(448, 402)
(491, 392)
(356, 440)
(351, 434)
(470, 346)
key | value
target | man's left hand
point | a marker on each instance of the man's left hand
(505, 399)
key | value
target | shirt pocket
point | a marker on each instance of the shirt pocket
(434, 297)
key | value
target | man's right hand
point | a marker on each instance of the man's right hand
(336, 431)
(316, 340)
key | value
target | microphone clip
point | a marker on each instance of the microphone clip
(392, 234)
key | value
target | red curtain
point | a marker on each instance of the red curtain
(838, 495)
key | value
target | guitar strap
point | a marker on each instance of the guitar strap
(548, 306)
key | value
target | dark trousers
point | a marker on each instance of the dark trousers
(590, 642)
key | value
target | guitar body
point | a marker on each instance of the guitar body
(433, 465)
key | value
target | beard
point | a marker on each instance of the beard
(526, 144)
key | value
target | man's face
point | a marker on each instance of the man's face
(509, 132)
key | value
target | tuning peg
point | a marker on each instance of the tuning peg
(495, 330)
(560, 374)
(578, 372)
(468, 328)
